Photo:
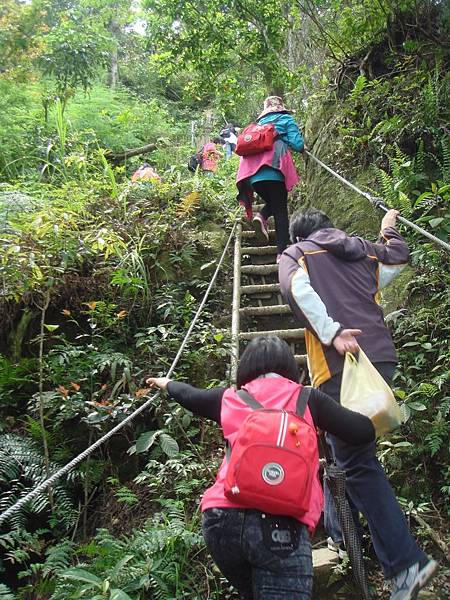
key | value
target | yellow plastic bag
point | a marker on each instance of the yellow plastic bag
(365, 391)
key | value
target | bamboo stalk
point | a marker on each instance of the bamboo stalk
(235, 315)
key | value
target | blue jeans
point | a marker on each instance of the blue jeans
(370, 492)
(229, 149)
(265, 557)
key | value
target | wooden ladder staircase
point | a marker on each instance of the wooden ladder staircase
(258, 308)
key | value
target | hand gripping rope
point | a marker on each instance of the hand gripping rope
(378, 202)
(69, 466)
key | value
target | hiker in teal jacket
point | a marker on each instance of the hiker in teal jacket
(268, 182)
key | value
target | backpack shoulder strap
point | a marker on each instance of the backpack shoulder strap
(254, 405)
(302, 400)
(249, 400)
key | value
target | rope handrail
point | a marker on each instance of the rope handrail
(378, 203)
(73, 463)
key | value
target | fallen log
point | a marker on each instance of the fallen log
(120, 156)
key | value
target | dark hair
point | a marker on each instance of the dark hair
(217, 140)
(303, 224)
(266, 354)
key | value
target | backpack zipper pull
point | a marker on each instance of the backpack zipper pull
(293, 428)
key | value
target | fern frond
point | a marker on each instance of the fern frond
(189, 204)
(430, 101)
(445, 144)
(419, 160)
(358, 88)
(6, 593)
(404, 204)
(22, 468)
(387, 187)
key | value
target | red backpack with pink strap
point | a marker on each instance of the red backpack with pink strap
(274, 459)
(256, 138)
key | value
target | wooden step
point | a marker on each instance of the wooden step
(259, 311)
(249, 233)
(268, 288)
(259, 250)
(284, 334)
(259, 269)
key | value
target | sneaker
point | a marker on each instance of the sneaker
(332, 545)
(408, 583)
(260, 227)
(337, 547)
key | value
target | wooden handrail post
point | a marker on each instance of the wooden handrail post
(236, 303)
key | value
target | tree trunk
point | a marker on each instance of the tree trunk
(119, 156)
(16, 336)
(114, 68)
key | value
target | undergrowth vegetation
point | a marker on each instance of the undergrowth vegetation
(100, 278)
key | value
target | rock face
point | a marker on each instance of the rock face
(11, 204)
(347, 209)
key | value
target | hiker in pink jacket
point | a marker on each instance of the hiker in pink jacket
(210, 157)
(271, 174)
(264, 555)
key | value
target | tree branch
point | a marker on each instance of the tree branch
(120, 156)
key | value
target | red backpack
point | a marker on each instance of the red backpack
(256, 138)
(273, 459)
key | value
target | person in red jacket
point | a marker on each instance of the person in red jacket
(211, 156)
(332, 282)
(264, 556)
(145, 173)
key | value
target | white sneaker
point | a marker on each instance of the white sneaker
(337, 547)
(260, 226)
(408, 583)
(332, 545)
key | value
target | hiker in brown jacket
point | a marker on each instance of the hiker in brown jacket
(332, 282)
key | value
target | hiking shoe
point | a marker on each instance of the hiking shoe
(408, 583)
(337, 547)
(260, 227)
(332, 545)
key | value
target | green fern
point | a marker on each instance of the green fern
(5, 593)
(419, 159)
(58, 558)
(126, 496)
(430, 101)
(153, 559)
(358, 88)
(445, 144)
(22, 468)
(434, 442)
(387, 187)
(404, 204)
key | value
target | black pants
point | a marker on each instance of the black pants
(274, 194)
(369, 491)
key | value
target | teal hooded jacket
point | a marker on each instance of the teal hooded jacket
(289, 132)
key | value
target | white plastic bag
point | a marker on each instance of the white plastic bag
(365, 391)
